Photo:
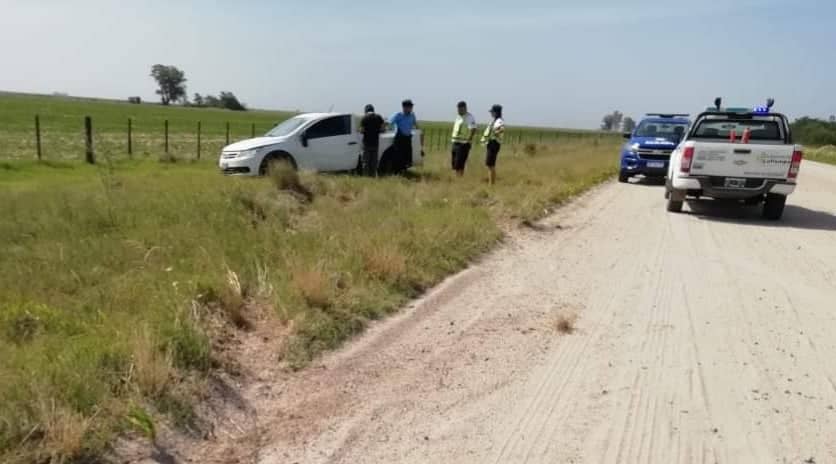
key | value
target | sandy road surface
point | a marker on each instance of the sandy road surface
(704, 337)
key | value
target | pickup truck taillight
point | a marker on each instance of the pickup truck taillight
(795, 164)
(687, 158)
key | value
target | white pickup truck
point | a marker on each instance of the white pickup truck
(323, 142)
(737, 154)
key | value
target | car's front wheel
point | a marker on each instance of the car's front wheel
(623, 177)
(773, 206)
(274, 159)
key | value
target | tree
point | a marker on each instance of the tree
(211, 101)
(197, 100)
(833, 118)
(629, 124)
(172, 82)
(230, 102)
(612, 121)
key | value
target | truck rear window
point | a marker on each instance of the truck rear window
(720, 129)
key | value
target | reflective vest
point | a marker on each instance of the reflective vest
(461, 130)
(491, 134)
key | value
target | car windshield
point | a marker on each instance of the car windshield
(665, 130)
(287, 127)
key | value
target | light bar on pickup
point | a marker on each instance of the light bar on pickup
(668, 115)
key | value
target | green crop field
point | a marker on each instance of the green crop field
(116, 279)
(62, 128)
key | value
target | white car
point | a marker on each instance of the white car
(323, 142)
(738, 154)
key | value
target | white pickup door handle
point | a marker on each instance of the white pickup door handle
(352, 143)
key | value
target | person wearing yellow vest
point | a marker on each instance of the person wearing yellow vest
(492, 139)
(464, 128)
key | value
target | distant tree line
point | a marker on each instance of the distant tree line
(814, 131)
(226, 100)
(616, 121)
(172, 89)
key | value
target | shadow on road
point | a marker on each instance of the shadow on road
(648, 181)
(797, 217)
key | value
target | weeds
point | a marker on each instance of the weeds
(565, 323)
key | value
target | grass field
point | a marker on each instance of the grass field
(825, 154)
(114, 277)
(107, 273)
(62, 128)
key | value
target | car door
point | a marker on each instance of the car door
(332, 145)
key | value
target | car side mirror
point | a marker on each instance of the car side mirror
(628, 135)
(304, 139)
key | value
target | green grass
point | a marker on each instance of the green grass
(113, 277)
(62, 128)
(825, 154)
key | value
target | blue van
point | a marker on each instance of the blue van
(649, 147)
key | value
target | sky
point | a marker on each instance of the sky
(559, 63)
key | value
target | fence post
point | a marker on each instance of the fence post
(198, 140)
(88, 136)
(252, 132)
(130, 142)
(519, 138)
(227, 133)
(38, 135)
(165, 126)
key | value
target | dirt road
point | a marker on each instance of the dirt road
(704, 337)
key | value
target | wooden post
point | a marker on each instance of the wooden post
(88, 136)
(38, 135)
(198, 140)
(519, 138)
(252, 132)
(130, 142)
(227, 133)
(165, 127)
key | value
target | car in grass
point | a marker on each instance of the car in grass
(322, 142)
(744, 154)
(649, 147)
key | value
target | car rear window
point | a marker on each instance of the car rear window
(721, 128)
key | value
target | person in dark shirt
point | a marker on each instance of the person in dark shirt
(371, 126)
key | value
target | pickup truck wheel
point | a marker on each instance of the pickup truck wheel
(675, 200)
(623, 177)
(773, 207)
(273, 159)
(753, 201)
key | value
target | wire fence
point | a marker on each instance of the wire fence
(190, 139)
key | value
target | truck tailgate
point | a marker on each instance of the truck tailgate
(741, 160)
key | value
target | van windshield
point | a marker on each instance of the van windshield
(287, 127)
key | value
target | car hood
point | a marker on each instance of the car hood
(654, 143)
(257, 142)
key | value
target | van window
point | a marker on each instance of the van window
(331, 127)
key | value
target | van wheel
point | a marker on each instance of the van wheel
(675, 200)
(773, 207)
(274, 159)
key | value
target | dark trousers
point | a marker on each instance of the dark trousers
(370, 160)
(403, 151)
